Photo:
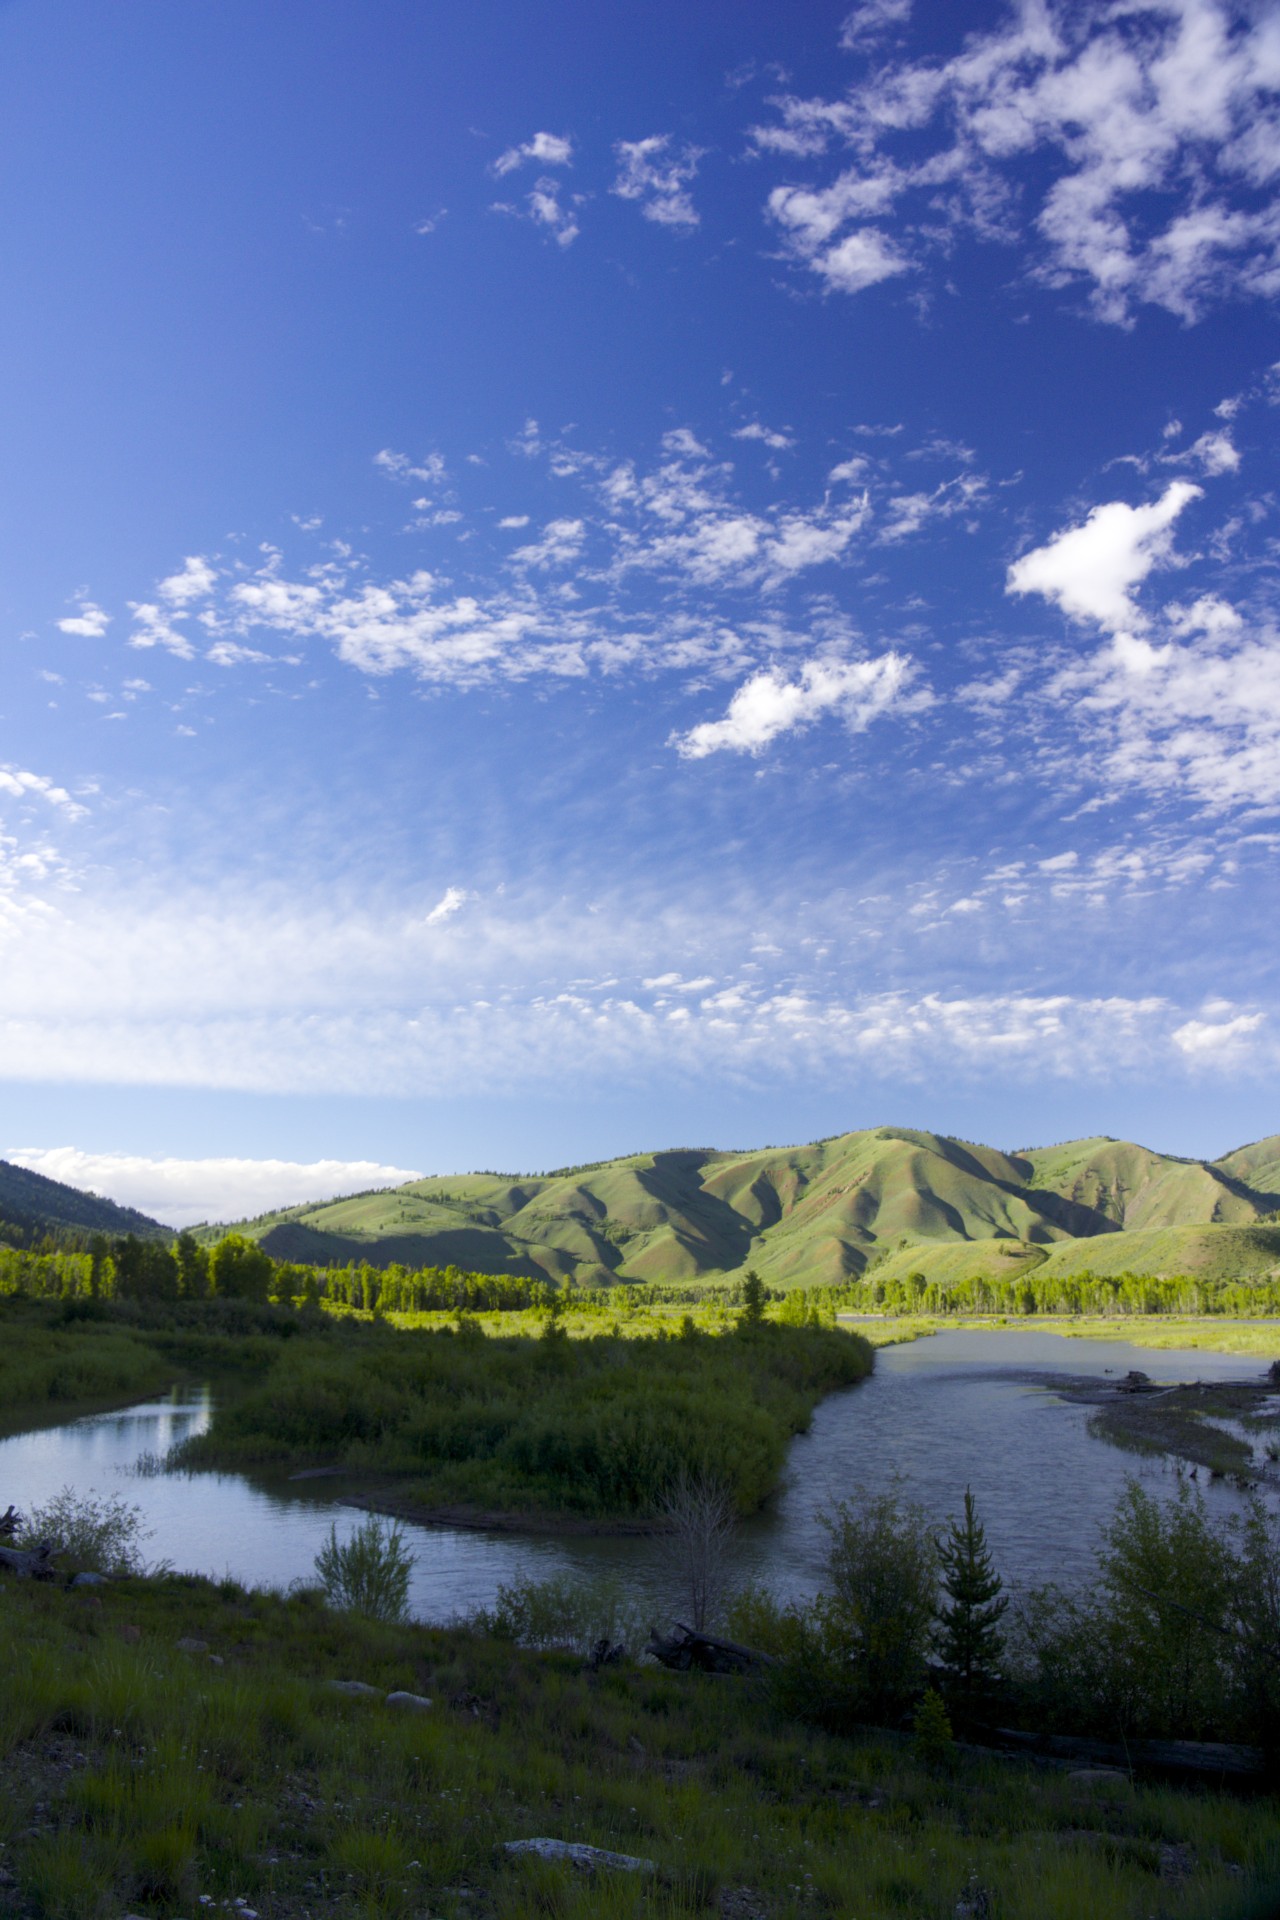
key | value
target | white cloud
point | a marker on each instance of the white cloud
(1217, 1042)
(1200, 717)
(19, 783)
(767, 436)
(547, 149)
(452, 901)
(182, 1192)
(90, 623)
(560, 544)
(657, 175)
(429, 471)
(1216, 453)
(811, 220)
(154, 627)
(545, 210)
(194, 581)
(871, 20)
(768, 705)
(513, 521)
(1143, 140)
(1091, 570)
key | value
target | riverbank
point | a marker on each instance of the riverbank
(174, 1745)
(1207, 1332)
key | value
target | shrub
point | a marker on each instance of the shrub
(368, 1572)
(93, 1533)
(564, 1612)
(877, 1614)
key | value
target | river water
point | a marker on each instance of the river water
(954, 1409)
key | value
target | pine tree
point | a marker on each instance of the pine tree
(969, 1641)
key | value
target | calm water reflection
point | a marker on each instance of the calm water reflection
(951, 1410)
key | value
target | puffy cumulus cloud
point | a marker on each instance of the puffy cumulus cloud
(1215, 452)
(545, 149)
(90, 623)
(561, 543)
(769, 704)
(194, 580)
(1143, 141)
(771, 437)
(182, 1192)
(812, 223)
(1223, 1039)
(657, 175)
(1091, 570)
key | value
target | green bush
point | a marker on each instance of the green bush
(368, 1572)
(92, 1533)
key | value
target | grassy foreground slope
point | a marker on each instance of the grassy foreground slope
(810, 1215)
(171, 1747)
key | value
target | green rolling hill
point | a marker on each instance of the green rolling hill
(34, 1204)
(817, 1214)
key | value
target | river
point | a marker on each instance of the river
(954, 1409)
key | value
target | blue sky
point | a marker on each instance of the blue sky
(580, 578)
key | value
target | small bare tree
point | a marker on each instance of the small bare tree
(701, 1517)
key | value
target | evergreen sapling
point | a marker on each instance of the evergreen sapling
(969, 1642)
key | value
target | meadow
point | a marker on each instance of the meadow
(172, 1747)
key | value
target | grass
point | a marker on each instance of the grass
(141, 1777)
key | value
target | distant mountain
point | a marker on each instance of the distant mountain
(805, 1215)
(36, 1205)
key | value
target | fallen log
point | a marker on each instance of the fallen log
(1201, 1761)
(687, 1649)
(36, 1563)
(9, 1523)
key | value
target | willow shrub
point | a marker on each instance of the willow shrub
(600, 1426)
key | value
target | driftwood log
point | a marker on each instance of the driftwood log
(34, 1564)
(1204, 1762)
(686, 1650)
(29, 1563)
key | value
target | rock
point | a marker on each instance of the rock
(354, 1688)
(410, 1702)
(1097, 1776)
(131, 1634)
(576, 1854)
(89, 1580)
(189, 1645)
(216, 1660)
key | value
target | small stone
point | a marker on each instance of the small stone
(354, 1687)
(411, 1702)
(131, 1634)
(216, 1660)
(90, 1580)
(189, 1645)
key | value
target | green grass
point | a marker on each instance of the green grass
(141, 1778)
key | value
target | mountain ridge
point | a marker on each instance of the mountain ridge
(818, 1212)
